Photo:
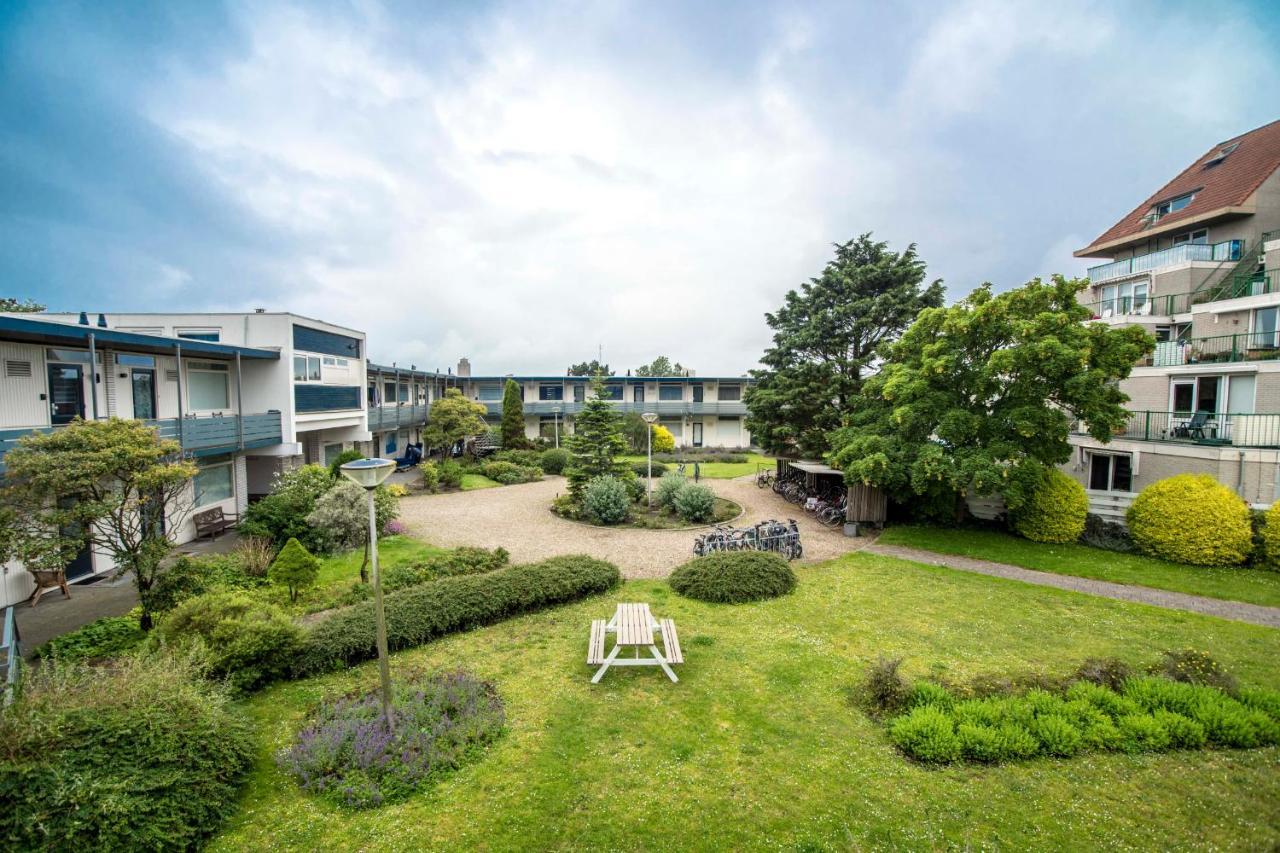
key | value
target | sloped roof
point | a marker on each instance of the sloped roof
(1221, 188)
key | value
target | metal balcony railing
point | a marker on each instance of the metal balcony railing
(670, 408)
(1205, 428)
(1227, 250)
(1120, 306)
(1246, 346)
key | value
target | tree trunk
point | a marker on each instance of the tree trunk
(364, 566)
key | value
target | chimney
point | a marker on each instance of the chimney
(84, 319)
(102, 321)
(464, 367)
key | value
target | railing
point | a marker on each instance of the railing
(1246, 346)
(1205, 428)
(393, 416)
(1173, 303)
(673, 408)
(10, 656)
(1236, 288)
(1228, 250)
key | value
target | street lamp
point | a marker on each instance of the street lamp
(650, 418)
(556, 411)
(368, 474)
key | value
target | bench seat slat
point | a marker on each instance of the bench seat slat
(671, 642)
(595, 648)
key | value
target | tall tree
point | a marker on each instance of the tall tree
(454, 418)
(596, 442)
(13, 305)
(589, 368)
(112, 485)
(660, 366)
(824, 342)
(513, 416)
(980, 397)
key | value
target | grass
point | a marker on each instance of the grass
(760, 745)
(338, 572)
(1255, 586)
(720, 470)
(471, 482)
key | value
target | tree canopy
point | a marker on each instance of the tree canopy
(13, 305)
(661, 366)
(596, 442)
(825, 339)
(589, 368)
(513, 416)
(454, 418)
(981, 396)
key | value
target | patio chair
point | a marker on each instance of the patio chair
(1193, 428)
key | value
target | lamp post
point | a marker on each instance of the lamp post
(650, 418)
(369, 474)
(556, 411)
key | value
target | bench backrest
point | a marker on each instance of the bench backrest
(208, 516)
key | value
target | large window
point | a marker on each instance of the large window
(550, 392)
(1127, 298)
(579, 393)
(1111, 472)
(306, 368)
(1265, 329)
(213, 483)
(489, 392)
(1195, 394)
(670, 392)
(1200, 237)
(731, 392)
(208, 385)
(1173, 205)
(697, 393)
(612, 392)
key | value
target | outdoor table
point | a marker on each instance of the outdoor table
(633, 627)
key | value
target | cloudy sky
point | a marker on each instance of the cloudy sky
(522, 182)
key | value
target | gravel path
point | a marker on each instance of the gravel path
(519, 519)
(1254, 613)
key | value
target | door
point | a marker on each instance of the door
(143, 380)
(637, 394)
(66, 393)
(697, 433)
(82, 565)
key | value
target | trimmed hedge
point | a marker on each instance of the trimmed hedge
(1056, 510)
(641, 468)
(734, 577)
(1192, 518)
(422, 613)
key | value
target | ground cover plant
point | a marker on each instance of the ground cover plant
(101, 638)
(734, 577)
(1256, 586)
(730, 755)
(440, 722)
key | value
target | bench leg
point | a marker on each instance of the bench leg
(662, 662)
(595, 679)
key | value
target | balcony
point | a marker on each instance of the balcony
(199, 436)
(663, 408)
(1256, 285)
(1221, 349)
(1201, 428)
(1140, 306)
(1228, 250)
(396, 416)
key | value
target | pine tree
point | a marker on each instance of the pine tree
(513, 416)
(294, 567)
(596, 441)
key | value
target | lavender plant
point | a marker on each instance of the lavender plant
(347, 754)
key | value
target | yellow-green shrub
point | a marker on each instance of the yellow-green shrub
(1271, 536)
(664, 441)
(1056, 510)
(1191, 518)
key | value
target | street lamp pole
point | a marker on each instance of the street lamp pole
(369, 474)
(556, 411)
(649, 418)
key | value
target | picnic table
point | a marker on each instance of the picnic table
(633, 627)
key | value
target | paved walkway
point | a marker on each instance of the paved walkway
(519, 518)
(1254, 613)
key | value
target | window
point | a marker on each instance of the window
(1265, 329)
(1200, 237)
(697, 393)
(1173, 205)
(404, 393)
(612, 392)
(489, 392)
(1111, 472)
(637, 393)
(1127, 298)
(136, 360)
(73, 356)
(332, 452)
(1197, 394)
(213, 483)
(306, 368)
(550, 392)
(1222, 154)
(211, 335)
(207, 385)
(670, 392)
(731, 392)
(330, 361)
(579, 393)
(373, 395)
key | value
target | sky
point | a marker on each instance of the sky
(524, 183)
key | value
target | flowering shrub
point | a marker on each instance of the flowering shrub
(395, 527)
(397, 490)
(346, 754)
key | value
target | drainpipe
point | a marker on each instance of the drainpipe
(239, 405)
(1240, 477)
(177, 353)
(93, 375)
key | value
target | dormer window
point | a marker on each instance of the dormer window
(1221, 155)
(1173, 205)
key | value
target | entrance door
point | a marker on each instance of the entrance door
(66, 393)
(144, 393)
(82, 565)
(697, 433)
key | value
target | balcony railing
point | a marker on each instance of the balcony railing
(1204, 428)
(670, 408)
(1118, 306)
(1228, 250)
(199, 436)
(393, 416)
(1268, 282)
(1246, 346)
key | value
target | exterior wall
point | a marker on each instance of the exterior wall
(1154, 461)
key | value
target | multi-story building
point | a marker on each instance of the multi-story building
(399, 400)
(1197, 264)
(700, 411)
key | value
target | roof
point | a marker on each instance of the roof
(407, 372)
(42, 331)
(816, 468)
(612, 379)
(1221, 189)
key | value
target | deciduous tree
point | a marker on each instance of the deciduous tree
(660, 366)
(453, 418)
(589, 368)
(12, 305)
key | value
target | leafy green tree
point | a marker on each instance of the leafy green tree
(824, 343)
(634, 431)
(282, 515)
(12, 305)
(980, 397)
(294, 567)
(112, 485)
(660, 366)
(453, 418)
(335, 467)
(513, 416)
(589, 368)
(341, 518)
(596, 443)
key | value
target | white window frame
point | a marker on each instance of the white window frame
(1164, 208)
(1194, 382)
(1199, 237)
(216, 369)
(312, 371)
(1253, 326)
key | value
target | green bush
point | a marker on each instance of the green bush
(509, 473)
(143, 755)
(424, 612)
(294, 568)
(451, 474)
(641, 468)
(664, 494)
(430, 476)
(249, 643)
(102, 638)
(979, 743)
(1271, 537)
(1194, 667)
(1057, 736)
(694, 503)
(1055, 510)
(926, 733)
(521, 458)
(342, 459)
(282, 515)
(461, 561)
(1191, 518)
(553, 460)
(734, 577)
(606, 500)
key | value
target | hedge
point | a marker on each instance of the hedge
(734, 577)
(422, 613)
(1192, 518)
(1056, 510)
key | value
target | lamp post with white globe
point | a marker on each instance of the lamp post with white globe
(369, 474)
(650, 418)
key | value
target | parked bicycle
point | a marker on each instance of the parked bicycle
(771, 535)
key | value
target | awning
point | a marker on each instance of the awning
(40, 331)
(816, 468)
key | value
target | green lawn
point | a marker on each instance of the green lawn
(339, 572)
(760, 745)
(1256, 586)
(721, 470)
(471, 482)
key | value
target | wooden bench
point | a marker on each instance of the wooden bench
(212, 522)
(670, 642)
(595, 649)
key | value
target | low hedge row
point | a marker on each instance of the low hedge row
(421, 613)
(734, 577)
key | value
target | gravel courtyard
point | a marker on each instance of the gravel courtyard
(519, 519)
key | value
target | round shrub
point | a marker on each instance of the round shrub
(440, 722)
(248, 642)
(606, 500)
(553, 461)
(926, 733)
(430, 477)
(510, 473)
(294, 568)
(1271, 536)
(694, 503)
(450, 473)
(1055, 511)
(1191, 518)
(141, 755)
(664, 494)
(1057, 736)
(734, 577)
(642, 468)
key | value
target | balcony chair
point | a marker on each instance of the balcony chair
(1193, 428)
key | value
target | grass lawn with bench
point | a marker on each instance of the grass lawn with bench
(760, 745)
(719, 470)
(1255, 586)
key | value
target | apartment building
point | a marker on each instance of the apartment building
(399, 400)
(1197, 264)
(700, 411)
